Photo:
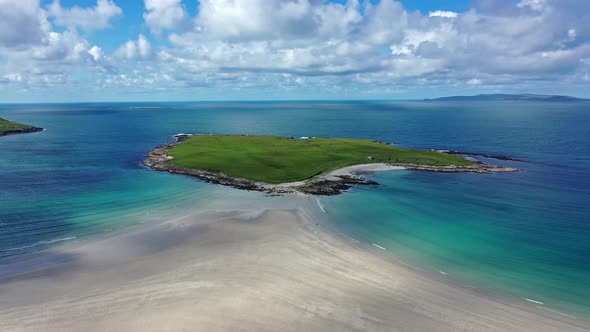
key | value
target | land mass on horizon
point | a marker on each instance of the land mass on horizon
(279, 164)
(511, 97)
(13, 128)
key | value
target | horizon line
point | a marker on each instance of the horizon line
(282, 100)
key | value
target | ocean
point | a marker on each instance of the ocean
(525, 234)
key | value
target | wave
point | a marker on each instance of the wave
(40, 243)
(533, 301)
(320, 205)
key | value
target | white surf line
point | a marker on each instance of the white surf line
(320, 205)
(40, 243)
(533, 301)
(557, 312)
(355, 240)
(177, 219)
(442, 272)
(378, 246)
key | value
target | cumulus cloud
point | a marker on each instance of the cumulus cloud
(132, 49)
(256, 19)
(442, 13)
(164, 14)
(96, 53)
(13, 77)
(62, 47)
(21, 23)
(301, 37)
(144, 47)
(537, 5)
(312, 44)
(33, 54)
(530, 39)
(97, 17)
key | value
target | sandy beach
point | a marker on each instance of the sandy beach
(260, 270)
(355, 170)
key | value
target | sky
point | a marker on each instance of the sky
(161, 50)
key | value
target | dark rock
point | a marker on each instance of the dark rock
(486, 155)
(24, 131)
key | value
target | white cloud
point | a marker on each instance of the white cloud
(13, 77)
(309, 44)
(537, 5)
(32, 54)
(96, 53)
(132, 49)
(571, 34)
(67, 46)
(21, 23)
(250, 19)
(275, 19)
(144, 47)
(314, 38)
(164, 14)
(97, 17)
(128, 50)
(442, 13)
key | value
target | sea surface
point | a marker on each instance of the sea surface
(525, 235)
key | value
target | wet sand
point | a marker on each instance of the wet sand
(267, 270)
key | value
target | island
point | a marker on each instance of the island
(280, 165)
(512, 97)
(13, 128)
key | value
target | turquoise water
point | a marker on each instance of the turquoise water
(526, 234)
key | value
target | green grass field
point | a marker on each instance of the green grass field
(274, 159)
(6, 125)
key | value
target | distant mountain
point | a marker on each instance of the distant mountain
(510, 97)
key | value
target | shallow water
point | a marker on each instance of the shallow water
(526, 234)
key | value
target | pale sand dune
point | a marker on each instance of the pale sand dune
(269, 271)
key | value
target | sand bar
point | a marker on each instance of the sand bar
(261, 270)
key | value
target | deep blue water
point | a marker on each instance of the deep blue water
(525, 234)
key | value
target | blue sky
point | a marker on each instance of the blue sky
(123, 50)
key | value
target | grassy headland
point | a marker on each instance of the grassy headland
(275, 159)
(10, 128)
(279, 165)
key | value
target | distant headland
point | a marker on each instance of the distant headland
(280, 165)
(13, 128)
(511, 97)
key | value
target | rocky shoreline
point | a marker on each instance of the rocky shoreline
(485, 155)
(24, 131)
(322, 185)
(478, 167)
(158, 159)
